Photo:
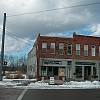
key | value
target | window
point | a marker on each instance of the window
(93, 50)
(69, 62)
(44, 45)
(61, 46)
(52, 48)
(77, 49)
(78, 71)
(99, 51)
(43, 71)
(62, 71)
(85, 50)
(94, 71)
(69, 49)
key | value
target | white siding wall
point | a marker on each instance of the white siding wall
(32, 62)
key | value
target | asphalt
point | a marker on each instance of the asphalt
(49, 94)
(17, 94)
(62, 94)
(10, 93)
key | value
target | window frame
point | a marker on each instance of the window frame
(93, 52)
(99, 51)
(53, 47)
(61, 48)
(44, 48)
(85, 51)
(69, 49)
(77, 49)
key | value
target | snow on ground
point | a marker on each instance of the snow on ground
(33, 84)
(67, 85)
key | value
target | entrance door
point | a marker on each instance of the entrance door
(50, 72)
(55, 72)
(87, 72)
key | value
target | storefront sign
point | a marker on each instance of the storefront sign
(85, 63)
(52, 62)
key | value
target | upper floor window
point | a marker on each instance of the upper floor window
(61, 47)
(44, 45)
(52, 48)
(85, 50)
(77, 49)
(69, 49)
(93, 50)
(99, 51)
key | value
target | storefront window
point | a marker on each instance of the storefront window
(78, 71)
(62, 72)
(43, 71)
(94, 71)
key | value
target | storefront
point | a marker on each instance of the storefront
(70, 69)
(53, 67)
(86, 70)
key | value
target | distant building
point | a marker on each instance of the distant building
(76, 58)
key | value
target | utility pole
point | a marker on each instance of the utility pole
(2, 47)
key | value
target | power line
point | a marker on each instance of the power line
(19, 39)
(90, 4)
(18, 36)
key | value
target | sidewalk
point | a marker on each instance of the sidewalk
(57, 82)
(10, 93)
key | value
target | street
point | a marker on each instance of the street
(9, 93)
(59, 94)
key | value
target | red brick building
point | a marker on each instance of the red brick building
(75, 58)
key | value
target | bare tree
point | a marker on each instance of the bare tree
(16, 63)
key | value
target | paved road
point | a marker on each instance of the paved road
(68, 94)
(9, 93)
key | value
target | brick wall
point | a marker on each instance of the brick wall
(89, 40)
(76, 39)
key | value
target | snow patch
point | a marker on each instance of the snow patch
(33, 84)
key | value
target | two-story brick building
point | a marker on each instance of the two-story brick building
(75, 58)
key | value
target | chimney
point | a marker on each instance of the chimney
(74, 34)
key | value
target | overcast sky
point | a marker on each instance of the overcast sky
(83, 20)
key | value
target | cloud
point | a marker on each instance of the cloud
(51, 22)
(95, 29)
(14, 45)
